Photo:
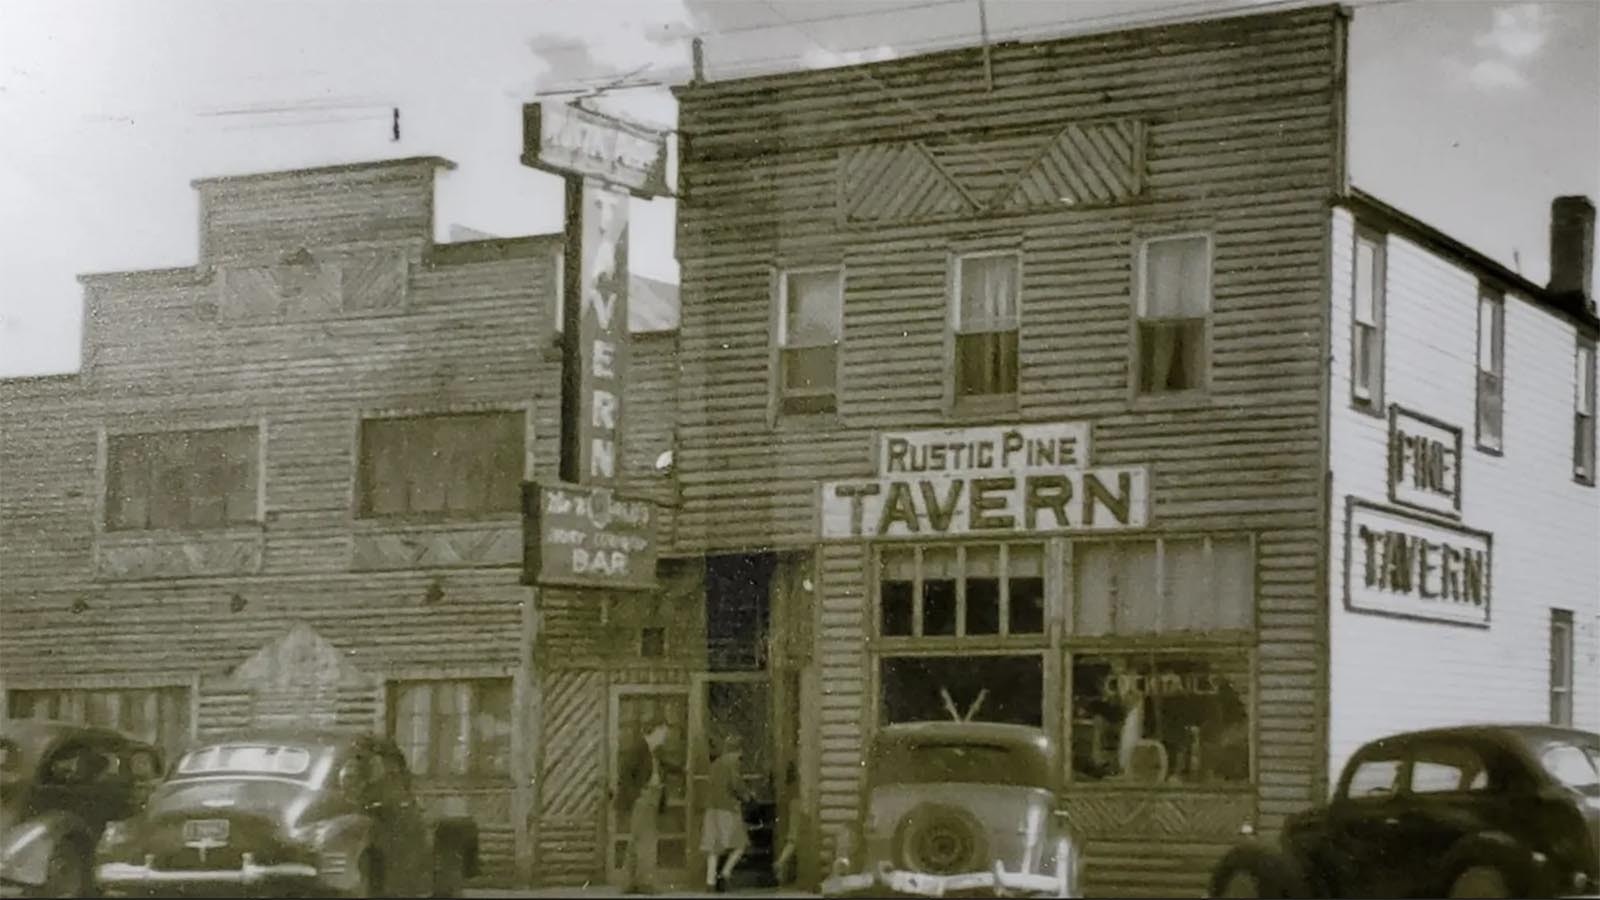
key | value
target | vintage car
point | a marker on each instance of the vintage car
(292, 812)
(60, 784)
(959, 808)
(1473, 811)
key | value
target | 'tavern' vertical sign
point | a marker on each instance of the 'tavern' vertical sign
(597, 362)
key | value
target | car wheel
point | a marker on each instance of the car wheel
(1256, 872)
(941, 840)
(1481, 881)
(449, 873)
(67, 874)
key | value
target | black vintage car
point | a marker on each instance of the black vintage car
(959, 809)
(291, 812)
(1473, 811)
(60, 784)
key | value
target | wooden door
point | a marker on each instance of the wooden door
(632, 708)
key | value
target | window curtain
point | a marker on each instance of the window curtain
(988, 293)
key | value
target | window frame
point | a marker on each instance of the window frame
(1494, 298)
(956, 403)
(256, 480)
(778, 391)
(1583, 421)
(923, 650)
(185, 693)
(916, 640)
(1208, 539)
(1140, 300)
(359, 486)
(1561, 693)
(1372, 400)
(392, 691)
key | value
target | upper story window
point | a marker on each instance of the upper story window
(182, 479)
(1491, 368)
(1366, 333)
(986, 315)
(810, 327)
(1583, 413)
(1174, 311)
(458, 464)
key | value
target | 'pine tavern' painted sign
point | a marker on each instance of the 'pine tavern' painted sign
(1405, 565)
(989, 480)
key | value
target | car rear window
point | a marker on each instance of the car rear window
(963, 762)
(256, 759)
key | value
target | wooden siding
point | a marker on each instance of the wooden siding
(1241, 128)
(470, 331)
(1545, 525)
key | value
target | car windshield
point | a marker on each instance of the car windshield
(1574, 766)
(255, 759)
(959, 762)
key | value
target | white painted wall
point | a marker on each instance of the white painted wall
(1392, 674)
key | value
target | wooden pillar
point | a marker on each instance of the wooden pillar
(527, 737)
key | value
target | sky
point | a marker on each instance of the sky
(1469, 115)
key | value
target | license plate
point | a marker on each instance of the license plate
(209, 832)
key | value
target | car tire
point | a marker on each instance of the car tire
(1483, 880)
(449, 872)
(1256, 872)
(67, 873)
(941, 840)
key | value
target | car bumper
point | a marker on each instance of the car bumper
(895, 883)
(115, 878)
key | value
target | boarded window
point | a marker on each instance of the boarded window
(453, 729)
(182, 479)
(810, 327)
(1491, 369)
(158, 715)
(969, 590)
(1163, 586)
(447, 465)
(1174, 311)
(1366, 336)
(1583, 433)
(987, 315)
(1561, 667)
(982, 688)
(1161, 718)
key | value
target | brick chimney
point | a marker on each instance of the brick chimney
(1572, 248)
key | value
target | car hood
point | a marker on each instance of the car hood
(281, 801)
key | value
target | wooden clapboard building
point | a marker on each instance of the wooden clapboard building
(284, 486)
(1012, 367)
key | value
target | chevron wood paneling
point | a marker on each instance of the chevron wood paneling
(898, 183)
(573, 784)
(1186, 816)
(1086, 165)
(440, 547)
(132, 557)
(375, 283)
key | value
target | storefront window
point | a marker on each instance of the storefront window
(1163, 586)
(979, 688)
(961, 590)
(1160, 718)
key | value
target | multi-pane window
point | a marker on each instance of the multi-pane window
(453, 729)
(1163, 586)
(810, 326)
(182, 479)
(1560, 667)
(961, 590)
(986, 315)
(979, 687)
(1174, 309)
(443, 465)
(157, 715)
(1491, 368)
(1366, 334)
(1583, 435)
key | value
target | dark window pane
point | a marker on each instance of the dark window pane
(1011, 688)
(1027, 606)
(442, 465)
(1172, 355)
(939, 606)
(809, 403)
(986, 363)
(983, 606)
(810, 369)
(895, 599)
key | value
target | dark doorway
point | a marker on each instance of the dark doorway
(738, 611)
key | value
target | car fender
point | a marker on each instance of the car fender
(25, 856)
(340, 841)
(1269, 862)
(1513, 857)
(457, 833)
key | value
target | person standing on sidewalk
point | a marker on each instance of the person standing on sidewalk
(641, 798)
(722, 829)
